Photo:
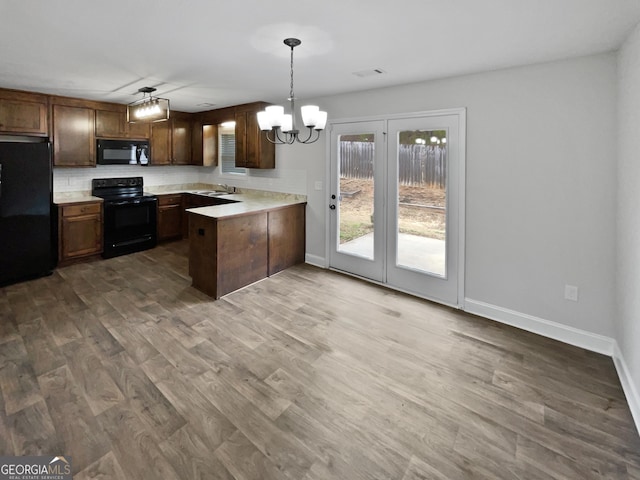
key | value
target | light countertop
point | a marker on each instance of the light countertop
(247, 204)
(63, 198)
(250, 201)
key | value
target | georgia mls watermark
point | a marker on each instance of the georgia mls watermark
(35, 468)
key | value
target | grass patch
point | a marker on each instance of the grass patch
(353, 230)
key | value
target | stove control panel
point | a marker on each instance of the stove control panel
(113, 187)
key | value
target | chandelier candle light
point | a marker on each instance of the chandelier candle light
(148, 109)
(273, 119)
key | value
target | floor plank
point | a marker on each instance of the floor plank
(74, 422)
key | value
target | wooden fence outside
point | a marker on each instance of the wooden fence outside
(418, 164)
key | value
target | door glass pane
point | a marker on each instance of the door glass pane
(422, 201)
(356, 155)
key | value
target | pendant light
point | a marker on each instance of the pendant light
(148, 109)
(283, 126)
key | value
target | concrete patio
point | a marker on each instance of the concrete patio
(414, 252)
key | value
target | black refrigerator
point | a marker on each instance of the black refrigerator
(27, 243)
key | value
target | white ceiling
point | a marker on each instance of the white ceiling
(203, 52)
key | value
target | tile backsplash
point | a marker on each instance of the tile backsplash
(286, 180)
(79, 179)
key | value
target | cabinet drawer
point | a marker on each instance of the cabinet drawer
(84, 209)
(170, 199)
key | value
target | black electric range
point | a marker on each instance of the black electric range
(130, 216)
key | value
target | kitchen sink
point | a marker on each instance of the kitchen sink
(210, 193)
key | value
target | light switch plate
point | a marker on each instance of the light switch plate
(318, 185)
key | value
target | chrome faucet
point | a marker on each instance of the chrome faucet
(221, 188)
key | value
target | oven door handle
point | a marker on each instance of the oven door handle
(123, 202)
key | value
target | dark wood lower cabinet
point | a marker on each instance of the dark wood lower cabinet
(286, 229)
(169, 217)
(79, 232)
(226, 254)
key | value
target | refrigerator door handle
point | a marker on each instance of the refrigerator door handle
(0, 180)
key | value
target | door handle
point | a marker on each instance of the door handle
(332, 206)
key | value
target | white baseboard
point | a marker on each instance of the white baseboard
(546, 328)
(630, 390)
(573, 336)
(315, 260)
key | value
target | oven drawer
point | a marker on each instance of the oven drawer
(83, 209)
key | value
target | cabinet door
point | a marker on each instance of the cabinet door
(81, 236)
(169, 221)
(22, 116)
(110, 124)
(209, 145)
(260, 152)
(73, 136)
(181, 138)
(197, 143)
(241, 142)
(138, 131)
(253, 150)
(160, 143)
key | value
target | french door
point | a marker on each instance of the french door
(397, 199)
(357, 222)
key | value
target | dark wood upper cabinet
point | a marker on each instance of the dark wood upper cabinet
(73, 136)
(138, 131)
(110, 124)
(181, 138)
(113, 124)
(253, 150)
(171, 140)
(23, 113)
(209, 144)
(185, 139)
(160, 143)
(261, 153)
(241, 139)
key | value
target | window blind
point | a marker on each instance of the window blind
(228, 154)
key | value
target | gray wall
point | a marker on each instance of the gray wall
(628, 225)
(540, 182)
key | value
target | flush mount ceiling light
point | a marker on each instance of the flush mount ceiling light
(273, 119)
(148, 109)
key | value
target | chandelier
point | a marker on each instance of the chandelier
(148, 109)
(283, 126)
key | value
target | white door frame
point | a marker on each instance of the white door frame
(461, 112)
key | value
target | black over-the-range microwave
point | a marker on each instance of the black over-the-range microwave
(123, 152)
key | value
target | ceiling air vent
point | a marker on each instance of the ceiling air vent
(369, 73)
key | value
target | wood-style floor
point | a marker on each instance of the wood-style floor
(307, 375)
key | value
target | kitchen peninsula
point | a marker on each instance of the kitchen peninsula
(235, 244)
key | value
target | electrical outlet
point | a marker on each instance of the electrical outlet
(571, 293)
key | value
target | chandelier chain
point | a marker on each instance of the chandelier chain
(291, 91)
